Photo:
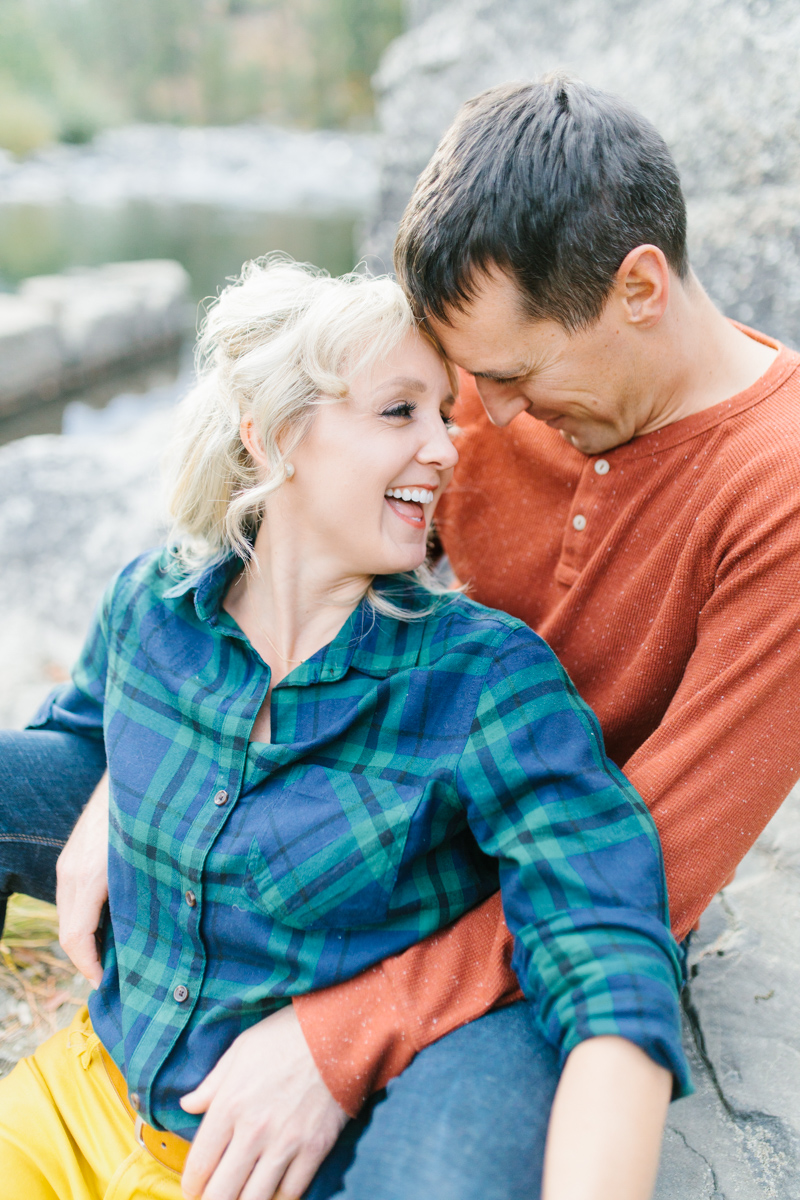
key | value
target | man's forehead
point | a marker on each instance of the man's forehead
(491, 295)
(493, 345)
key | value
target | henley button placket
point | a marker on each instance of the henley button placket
(602, 466)
(579, 522)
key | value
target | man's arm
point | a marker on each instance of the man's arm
(82, 885)
(364, 1032)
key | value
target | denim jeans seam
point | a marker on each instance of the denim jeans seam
(30, 839)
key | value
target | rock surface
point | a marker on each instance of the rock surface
(738, 1137)
(73, 510)
(30, 353)
(719, 79)
(62, 331)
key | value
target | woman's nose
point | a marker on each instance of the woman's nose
(439, 450)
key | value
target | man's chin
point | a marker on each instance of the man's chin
(594, 441)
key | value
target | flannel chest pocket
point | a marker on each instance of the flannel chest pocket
(328, 848)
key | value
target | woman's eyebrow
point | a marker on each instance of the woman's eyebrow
(404, 381)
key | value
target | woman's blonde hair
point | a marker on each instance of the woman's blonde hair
(276, 340)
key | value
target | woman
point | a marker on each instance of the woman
(317, 757)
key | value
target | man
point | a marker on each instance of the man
(630, 486)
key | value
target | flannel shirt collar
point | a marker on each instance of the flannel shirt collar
(369, 642)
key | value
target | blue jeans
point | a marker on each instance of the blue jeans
(45, 780)
(465, 1121)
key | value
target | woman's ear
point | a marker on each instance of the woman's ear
(251, 441)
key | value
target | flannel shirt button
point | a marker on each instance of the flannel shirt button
(190, 899)
(136, 1103)
(181, 993)
(579, 522)
(220, 799)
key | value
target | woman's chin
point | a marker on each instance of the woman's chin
(401, 564)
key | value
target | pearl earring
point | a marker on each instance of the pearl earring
(289, 469)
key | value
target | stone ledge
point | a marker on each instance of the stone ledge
(61, 332)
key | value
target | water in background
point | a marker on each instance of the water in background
(212, 242)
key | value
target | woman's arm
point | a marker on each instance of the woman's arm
(606, 1125)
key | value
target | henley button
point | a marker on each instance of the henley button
(135, 1101)
(220, 799)
(602, 467)
(579, 522)
(181, 993)
(190, 899)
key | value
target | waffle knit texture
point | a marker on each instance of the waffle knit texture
(674, 604)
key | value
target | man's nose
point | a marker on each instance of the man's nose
(502, 401)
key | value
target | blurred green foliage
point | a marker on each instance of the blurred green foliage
(71, 67)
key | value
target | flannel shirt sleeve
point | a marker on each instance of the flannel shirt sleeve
(581, 872)
(76, 706)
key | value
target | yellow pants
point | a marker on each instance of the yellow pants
(64, 1134)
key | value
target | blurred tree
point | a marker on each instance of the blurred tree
(68, 67)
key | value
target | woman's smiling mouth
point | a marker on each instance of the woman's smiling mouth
(407, 504)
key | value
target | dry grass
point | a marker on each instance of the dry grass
(39, 987)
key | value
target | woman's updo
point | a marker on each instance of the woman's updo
(275, 341)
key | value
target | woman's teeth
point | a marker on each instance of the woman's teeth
(418, 495)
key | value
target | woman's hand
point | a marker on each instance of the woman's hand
(269, 1118)
(607, 1122)
(82, 884)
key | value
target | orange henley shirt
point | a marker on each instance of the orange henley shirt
(665, 574)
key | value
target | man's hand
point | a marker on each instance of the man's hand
(82, 884)
(269, 1118)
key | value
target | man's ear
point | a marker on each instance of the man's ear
(251, 441)
(642, 286)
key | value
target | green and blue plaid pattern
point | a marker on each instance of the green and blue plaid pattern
(414, 764)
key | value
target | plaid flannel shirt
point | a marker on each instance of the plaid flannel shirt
(412, 765)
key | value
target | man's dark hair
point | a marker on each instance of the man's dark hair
(553, 182)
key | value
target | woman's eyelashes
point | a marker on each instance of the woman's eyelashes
(403, 409)
(406, 409)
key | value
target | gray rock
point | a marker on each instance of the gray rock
(63, 331)
(738, 1137)
(30, 353)
(107, 314)
(72, 512)
(719, 79)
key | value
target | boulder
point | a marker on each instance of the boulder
(73, 510)
(738, 1137)
(107, 315)
(63, 331)
(30, 353)
(719, 80)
